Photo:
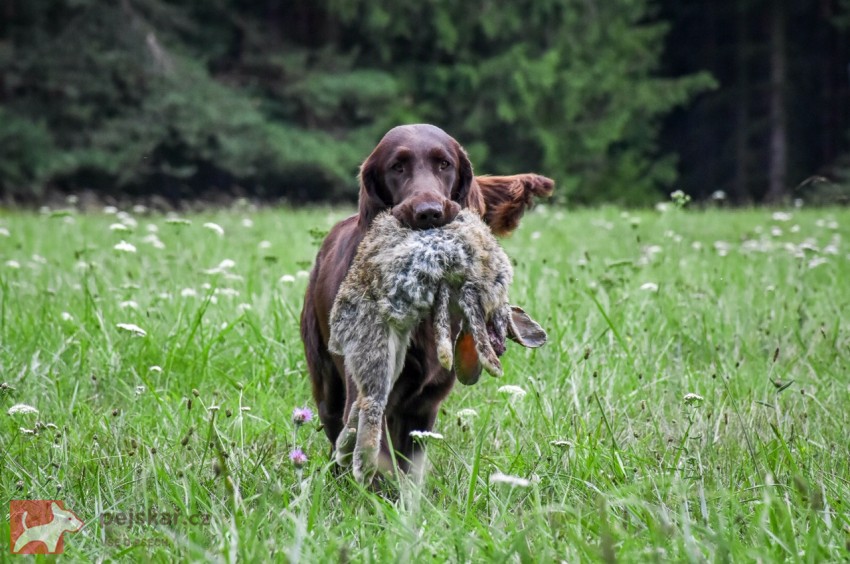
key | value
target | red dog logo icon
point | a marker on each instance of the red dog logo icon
(37, 526)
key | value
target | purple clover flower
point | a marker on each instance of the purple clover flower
(298, 458)
(301, 415)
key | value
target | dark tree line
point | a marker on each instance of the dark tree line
(777, 125)
(618, 100)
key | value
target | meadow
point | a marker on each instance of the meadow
(691, 403)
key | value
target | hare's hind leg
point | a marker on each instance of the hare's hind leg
(380, 367)
(470, 303)
(347, 437)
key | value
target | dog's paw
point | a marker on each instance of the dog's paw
(345, 446)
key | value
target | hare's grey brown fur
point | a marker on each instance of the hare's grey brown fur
(398, 278)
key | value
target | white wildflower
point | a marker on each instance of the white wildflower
(650, 287)
(222, 267)
(152, 228)
(4, 232)
(127, 219)
(722, 248)
(514, 391)
(816, 262)
(13, 264)
(513, 481)
(155, 368)
(662, 207)
(287, 278)
(129, 304)
(693, 399)
(781, 216)
(66, 316)
(132, 328)
(247, 222)
(535, 235)
(139, 208)
(245, 408)
(178, 221)
(265, 245)
(562, 443)
(426, 435)
(718, 195)
(22, 408)
(302, 274)
(110, 210)
(126, 247)
(140, 390)
(226, 292)
(218, 229)
(696, 245)
(152, 239)
(776, 232)
(242, 308)
(188, 292)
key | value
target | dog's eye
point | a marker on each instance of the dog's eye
(444, 164)
(398, 167)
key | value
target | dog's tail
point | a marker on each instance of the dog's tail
(507, 197)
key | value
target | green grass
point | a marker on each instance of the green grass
(620, 467)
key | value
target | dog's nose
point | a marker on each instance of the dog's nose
(428, 214)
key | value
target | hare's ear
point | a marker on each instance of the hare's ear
(524, 330)
(467, 363)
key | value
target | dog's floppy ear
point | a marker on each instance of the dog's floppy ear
(466, 191)
(467, 364)
(374, 196)
(524, 330)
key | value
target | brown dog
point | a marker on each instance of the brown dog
(424, 177)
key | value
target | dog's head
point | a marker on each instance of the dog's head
(420, 173)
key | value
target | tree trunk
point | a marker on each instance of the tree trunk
(778, 162)
(742, 109)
